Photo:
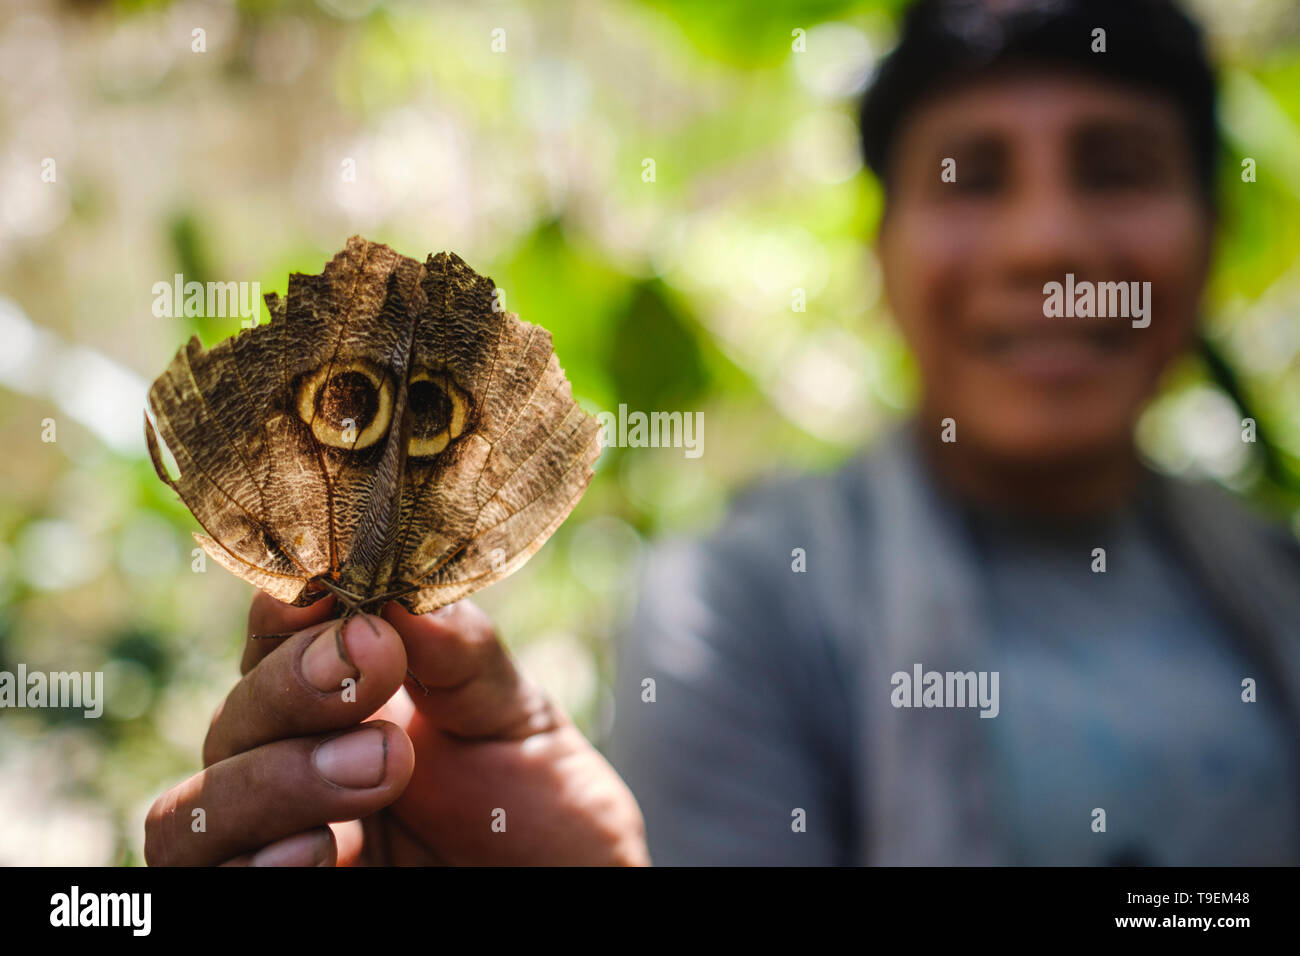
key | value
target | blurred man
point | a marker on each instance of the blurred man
(995, 637)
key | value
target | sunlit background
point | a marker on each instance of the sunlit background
(517, 135)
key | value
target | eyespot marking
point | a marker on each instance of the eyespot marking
(439, 410)
(352, 409)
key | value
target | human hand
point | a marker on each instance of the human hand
(313, 760)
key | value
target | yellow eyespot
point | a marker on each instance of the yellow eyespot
(350, 410)
(439, 410)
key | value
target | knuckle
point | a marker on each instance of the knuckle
(260, 612)
(157, 823)
(473, 625)
(211, 751)
(472, 639)
(623, 830)
(278, 707)
(264, 773)
(630, 850)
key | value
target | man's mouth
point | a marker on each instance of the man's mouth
(1053, 352)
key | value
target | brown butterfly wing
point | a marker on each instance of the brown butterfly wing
(475, 512)
(283, 506)
(222, 475)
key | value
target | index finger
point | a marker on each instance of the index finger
(269, 618)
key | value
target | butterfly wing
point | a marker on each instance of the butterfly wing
(283, 434)
(518, 453)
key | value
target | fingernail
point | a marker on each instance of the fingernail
(303, 849)
(322, 666)
(355, 760)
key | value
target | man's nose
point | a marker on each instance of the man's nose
(1043, 232)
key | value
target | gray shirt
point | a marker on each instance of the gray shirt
(743, 727)
(1121, 690)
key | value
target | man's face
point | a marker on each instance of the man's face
(1055, 173)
